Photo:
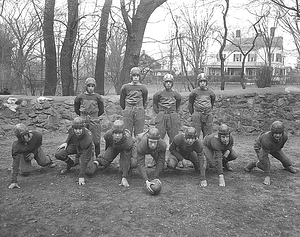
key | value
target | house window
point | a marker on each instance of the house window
(252, 58)
(218, 56)
(250, 72)
(272, 57)
(237, 58)
(278, 57)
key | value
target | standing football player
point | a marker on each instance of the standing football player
(133, 98)
(166, 105)
(201, 103)
(90, 106)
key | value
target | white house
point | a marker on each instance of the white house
(254, 60)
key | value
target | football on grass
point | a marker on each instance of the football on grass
(156, 187)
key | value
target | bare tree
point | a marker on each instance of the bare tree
(50, 50)
(178, 40)
(6, 46)
(268, 37)
(193, 29)
(291, 6)
(24, 24)
(100, 63)
(269, 43)
(115, 51)
(135, 25)
(67, 49)
(84, 56)
(245, 51)
(223, 43)
(198, 31)
(290, 20)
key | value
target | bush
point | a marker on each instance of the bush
(263, 77)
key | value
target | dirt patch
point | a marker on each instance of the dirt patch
(49, 204)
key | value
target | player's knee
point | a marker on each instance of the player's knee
(172, 162)
(263, 165)
(133, 163)
(103, 162)
(59, 156)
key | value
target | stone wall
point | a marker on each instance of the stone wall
(248, 113)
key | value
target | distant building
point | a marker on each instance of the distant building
(161, 72)
(255, 59)
(148, 64)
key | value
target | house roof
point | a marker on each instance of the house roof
(246, 43)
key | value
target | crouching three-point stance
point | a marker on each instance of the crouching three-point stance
(271, 142)
(27, 147)
(188, 146)
(150, 143)
(218, 151)
(118, 140)
(79, 142)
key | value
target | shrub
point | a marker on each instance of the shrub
(263, 77)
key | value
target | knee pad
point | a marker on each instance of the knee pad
(172, 162)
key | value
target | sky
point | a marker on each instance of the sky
(160, 27)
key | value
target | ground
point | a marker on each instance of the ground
(49, 204)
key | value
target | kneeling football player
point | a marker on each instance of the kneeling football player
(27, 147)
(118, 140)
(188, 146)
(218, 150)
(79, 142)
(151, 143)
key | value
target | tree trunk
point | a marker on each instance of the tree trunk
(67, 49)
(222, 58)
(135, 36)
(242, 80)
(100, 62)
(50, 52)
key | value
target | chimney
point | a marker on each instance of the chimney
(272, 31)
(238, 34)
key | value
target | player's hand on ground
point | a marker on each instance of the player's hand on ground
(124, 182)
(148, 184)
(62, 146)
(13, 185)
(221, 180)
(81, 181)
(30, 156)
(203, 183)
(267, 180)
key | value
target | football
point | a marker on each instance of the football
(156, 187)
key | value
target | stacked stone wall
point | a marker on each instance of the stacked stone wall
(248, 113)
